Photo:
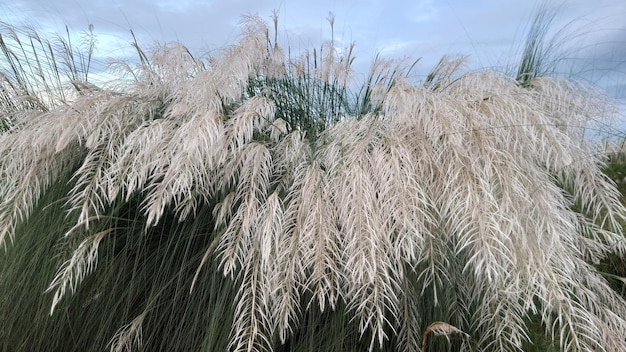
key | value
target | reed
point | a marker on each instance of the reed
(252, 201)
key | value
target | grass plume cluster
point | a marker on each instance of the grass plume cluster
(38, 73)
(250, 201)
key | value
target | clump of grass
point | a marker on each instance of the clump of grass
(39, 73)
(251, 201)
(537, 58)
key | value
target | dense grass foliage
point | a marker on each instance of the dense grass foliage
(250, 201)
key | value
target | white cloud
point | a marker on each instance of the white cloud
(397, 47)
(424, 11)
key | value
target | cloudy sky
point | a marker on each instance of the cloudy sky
(491, 32)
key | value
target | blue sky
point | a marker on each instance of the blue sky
(491, 32)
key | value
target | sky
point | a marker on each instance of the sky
(490, 32)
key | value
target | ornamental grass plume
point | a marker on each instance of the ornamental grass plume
(249, 201)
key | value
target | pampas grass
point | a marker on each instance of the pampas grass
(250, 201)
(39, 73)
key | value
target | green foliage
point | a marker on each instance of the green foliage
(537, 58)
(144, 277)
